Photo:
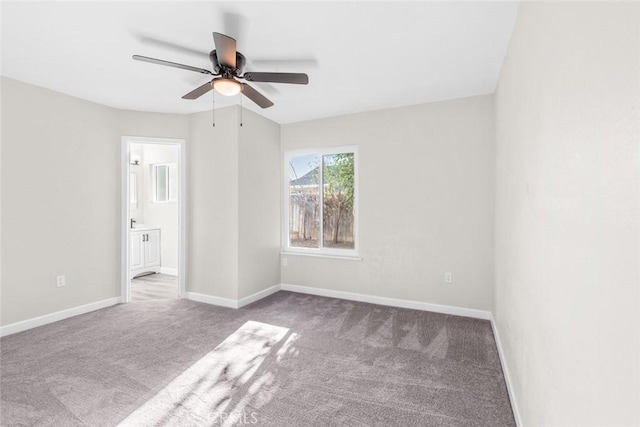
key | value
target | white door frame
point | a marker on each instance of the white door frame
(124, 222)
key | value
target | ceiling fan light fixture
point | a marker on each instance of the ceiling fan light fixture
(227, 87)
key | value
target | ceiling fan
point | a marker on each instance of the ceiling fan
(228, 67)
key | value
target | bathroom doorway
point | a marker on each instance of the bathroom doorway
(153, 219)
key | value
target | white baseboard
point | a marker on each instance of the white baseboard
(169, 271)
(209, 299)
(507, 377)
(258, 295)
(393, 302)
(232, 303)
(13, 328)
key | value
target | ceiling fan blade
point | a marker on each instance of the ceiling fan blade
(294, 78)
(181, 49)
(256, 96)
(171, 64)
(199, 91)
(225, 49)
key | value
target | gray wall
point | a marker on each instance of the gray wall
(438, 172)
(60, 201)
(212, 155)
(140, 123)
(425, 207)
(259, 183)
(567, 204)
(234, 210)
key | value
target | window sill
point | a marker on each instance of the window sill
(330, 256)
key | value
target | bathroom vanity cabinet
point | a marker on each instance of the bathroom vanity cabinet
(145, 251)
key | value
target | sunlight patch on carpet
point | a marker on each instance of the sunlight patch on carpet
(205, 394)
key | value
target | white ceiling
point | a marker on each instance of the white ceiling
(360, 56)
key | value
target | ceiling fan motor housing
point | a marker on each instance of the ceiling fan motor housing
(217, 68)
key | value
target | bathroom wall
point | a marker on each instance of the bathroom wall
(136, 210)
(163, 215)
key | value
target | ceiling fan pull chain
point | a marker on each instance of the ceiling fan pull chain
(240, 110)
(213, 109)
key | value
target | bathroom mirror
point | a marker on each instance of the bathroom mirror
(133, 189)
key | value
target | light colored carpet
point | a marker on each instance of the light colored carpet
(290, 359)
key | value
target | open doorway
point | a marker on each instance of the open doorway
(153, 237)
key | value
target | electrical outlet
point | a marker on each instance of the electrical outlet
(61, 281)
(284, 262)
(448, 277)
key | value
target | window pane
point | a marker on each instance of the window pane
(304, 201)
(337, 172)
(161, 183)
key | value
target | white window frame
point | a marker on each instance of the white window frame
(154, 183)
(320, 251)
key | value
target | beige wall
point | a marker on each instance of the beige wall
(1, 176)
(212, 169)
(568, 188)
(234, 211)
(161, 125)
(233, 245)
(259, 204)
(61, 197)
(60, 201)
(426, 203)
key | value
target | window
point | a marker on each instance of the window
(321, 194)
(165, 182)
